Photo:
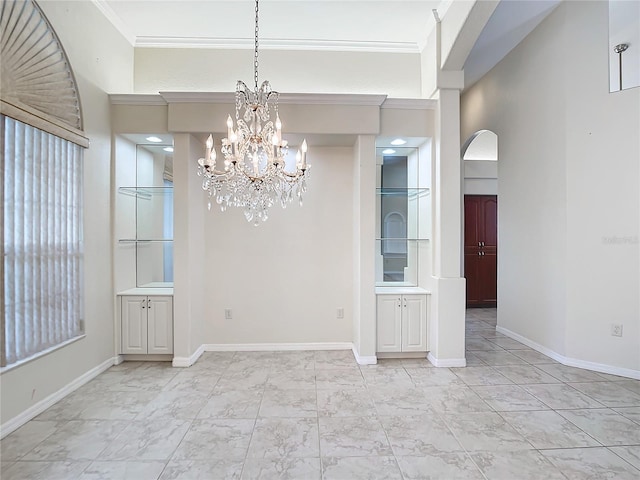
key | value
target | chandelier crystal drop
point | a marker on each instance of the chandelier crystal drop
(254, 175)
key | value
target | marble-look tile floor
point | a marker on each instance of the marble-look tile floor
(512, 414)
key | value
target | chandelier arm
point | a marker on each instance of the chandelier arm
(294, 176)
(252, 178)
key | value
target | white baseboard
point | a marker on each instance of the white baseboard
(274, 347)
(188, 361)
(446, 362)
(36, 409)
(571, 362)
(364, 360)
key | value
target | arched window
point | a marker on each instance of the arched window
(42, 151)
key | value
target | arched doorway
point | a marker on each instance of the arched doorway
(480, 155)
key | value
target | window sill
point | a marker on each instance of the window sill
(41, 354)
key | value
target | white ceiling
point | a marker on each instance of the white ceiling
(351, 25)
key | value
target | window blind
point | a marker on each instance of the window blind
(42, 248)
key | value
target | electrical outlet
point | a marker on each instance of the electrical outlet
(340, 313)
(227, 314)
(616, 330)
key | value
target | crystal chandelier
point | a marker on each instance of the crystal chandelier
(254, 175)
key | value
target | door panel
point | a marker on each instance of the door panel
(489, 284)
(389, 323)
(472, 274)
(134, 324)
(489, 223)
(160, 325)
(414, 325)
(471, 220)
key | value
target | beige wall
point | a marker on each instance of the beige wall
(568, 182)
(284, 279)
(204, 70)
(101, 60)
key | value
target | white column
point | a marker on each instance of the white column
(447, 345)
(188, 250)
(364, 231)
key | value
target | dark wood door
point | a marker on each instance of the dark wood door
(481, 249)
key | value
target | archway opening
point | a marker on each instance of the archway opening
(480, 163)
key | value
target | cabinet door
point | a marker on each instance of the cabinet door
(134, 324)
(480, 249)
(160, 324)
(414, 323)
(389, 323)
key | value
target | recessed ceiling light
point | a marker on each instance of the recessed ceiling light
(154, 139)
(388, 151)
(168, 149)
(398, 141)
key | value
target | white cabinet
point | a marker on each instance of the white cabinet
(146, 324)
(401, 323)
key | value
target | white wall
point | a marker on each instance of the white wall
(101, 60)
(480, 177)
(284, 279)
(208, 70)
(568, 184)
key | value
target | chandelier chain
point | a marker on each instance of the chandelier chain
(255, 53)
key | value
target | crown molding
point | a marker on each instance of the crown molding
(136, 99)
(276, 44)
(382, 101)
(115, 20)
(410, 103)
(285, 98)
(332, 99)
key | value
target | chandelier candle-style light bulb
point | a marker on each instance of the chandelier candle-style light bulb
(255, 174)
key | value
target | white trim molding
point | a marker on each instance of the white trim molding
(569, 361)
(364, 360)
(446, 362)
(410, 103)
(347, 99)
(275, 347)
(188, 361)
(150, 41)
(115, 20)
(36, 409)
(136, 99)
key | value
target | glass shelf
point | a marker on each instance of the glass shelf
(402, 239)
(133, 240)
(402, 192)
(145, 192)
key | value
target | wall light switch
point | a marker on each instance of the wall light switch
(340, 313)
(227, 314)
